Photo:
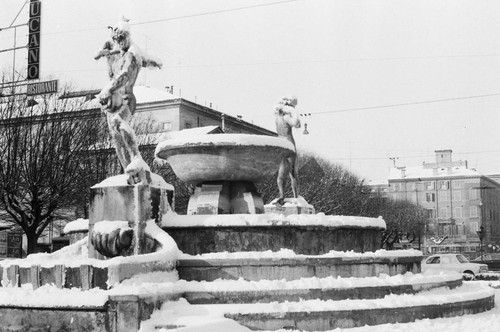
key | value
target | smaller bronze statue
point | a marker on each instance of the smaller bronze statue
(118, 100)
(286, 119)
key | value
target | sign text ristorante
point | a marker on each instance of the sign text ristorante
(39, 88)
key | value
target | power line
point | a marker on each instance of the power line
(20, 10)
(182, 17)
(214, 12)
(407, 104)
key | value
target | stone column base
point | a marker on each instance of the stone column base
(114, 200)
(291, 206)
(226, 197)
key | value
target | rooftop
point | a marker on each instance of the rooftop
(419, 172)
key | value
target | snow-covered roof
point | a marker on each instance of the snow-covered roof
(420, 172)
(184, 133)
(143, 94)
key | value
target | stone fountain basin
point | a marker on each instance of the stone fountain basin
(224, 157)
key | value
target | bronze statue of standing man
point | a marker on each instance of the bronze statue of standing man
(118, 100)
(286, 119)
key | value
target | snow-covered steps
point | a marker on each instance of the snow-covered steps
(285, 264)
(319, 315)
(329, 288)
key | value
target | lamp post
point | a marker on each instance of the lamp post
(481, 233)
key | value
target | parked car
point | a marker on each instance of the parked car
(490, 259)
(453, 262)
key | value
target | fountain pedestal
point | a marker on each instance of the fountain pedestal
(225, 168)
(113, 200)
(225, 197)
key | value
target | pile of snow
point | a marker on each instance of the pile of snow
(78, 225)
(108, 227)
(241, 285)
(290, 254)
(223, 220)
(51, 297)
(76, 254)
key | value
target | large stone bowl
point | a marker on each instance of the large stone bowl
(224, 157)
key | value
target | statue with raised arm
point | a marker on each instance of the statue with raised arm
(117, 97)
(286, 119)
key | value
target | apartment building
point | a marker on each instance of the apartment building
(459, 201)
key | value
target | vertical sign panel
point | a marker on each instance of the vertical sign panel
(14, 244)
(3, 244)
(34, 25)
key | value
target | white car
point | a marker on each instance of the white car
(453, 262)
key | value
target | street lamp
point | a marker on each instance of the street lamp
(481, 234)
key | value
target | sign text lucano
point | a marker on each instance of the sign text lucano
(34, 25)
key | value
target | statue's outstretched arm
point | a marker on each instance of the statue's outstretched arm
(149, 61)
(105, 51)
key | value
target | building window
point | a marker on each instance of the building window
(443, 212)
(167, 126)
(444, 196)
(187, 125)
(473, 227)
(457, 195)
(444, 185)
(457, 212)
(458, 184)
(429, 185)
(431, 213)
(430, 197)
(473, 193)
(473, 211)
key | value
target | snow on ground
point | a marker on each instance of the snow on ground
(210, 318)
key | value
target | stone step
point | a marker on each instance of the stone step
(273, 267)
(266, 291)
(318, 315)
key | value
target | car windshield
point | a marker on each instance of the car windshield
(462, 259)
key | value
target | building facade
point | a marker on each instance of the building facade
(459, 201)
(169, 112)
(161, 110)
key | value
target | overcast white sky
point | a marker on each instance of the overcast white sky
(335, 55)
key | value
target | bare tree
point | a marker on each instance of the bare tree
(404, 219)
(332, 189)
(42, 145)
(329, 187)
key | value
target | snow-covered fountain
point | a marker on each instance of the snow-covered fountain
(299, 269)
(230, 262)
